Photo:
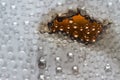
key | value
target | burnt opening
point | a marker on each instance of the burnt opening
(78, 26)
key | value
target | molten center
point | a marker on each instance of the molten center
(78, 27)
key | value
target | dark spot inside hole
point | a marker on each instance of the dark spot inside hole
(50, 24)
(59, 19)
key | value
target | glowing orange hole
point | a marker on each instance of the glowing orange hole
(78, 27)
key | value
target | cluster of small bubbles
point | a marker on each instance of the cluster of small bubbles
(16, 59)
(21, 57)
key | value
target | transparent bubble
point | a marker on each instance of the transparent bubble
(15, 23)
(57, 59)
(108, 69)
(70, 56)
(42, 77)
(110, 3)
(58, 69)
(75, 69)
(10, 55)
(31, 14)
(27, 22)
(42, 63)
(13, 6)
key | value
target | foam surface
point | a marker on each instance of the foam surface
(21, 45)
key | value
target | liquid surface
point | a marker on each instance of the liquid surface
(78, 27)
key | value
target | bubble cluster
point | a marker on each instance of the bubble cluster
(21, 44)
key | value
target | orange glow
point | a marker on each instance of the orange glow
(78, 27)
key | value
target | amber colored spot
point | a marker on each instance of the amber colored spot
(78, 27)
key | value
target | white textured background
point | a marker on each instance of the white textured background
(21, 44)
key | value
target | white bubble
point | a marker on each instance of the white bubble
(3, 3)
(13, 6)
